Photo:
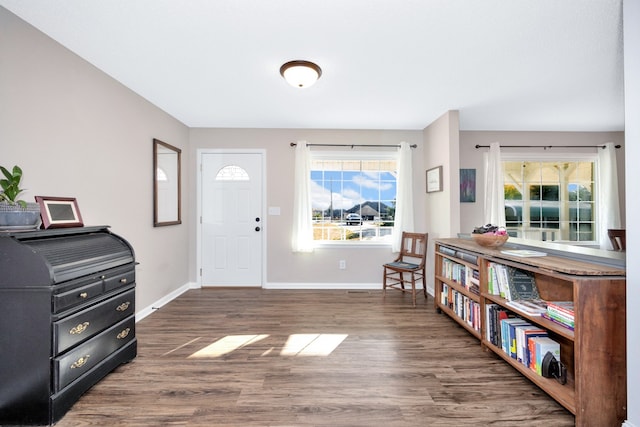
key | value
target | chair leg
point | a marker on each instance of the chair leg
(413, 288)
(424, 285)
(384, 281)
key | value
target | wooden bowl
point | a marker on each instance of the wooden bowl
(490, 240)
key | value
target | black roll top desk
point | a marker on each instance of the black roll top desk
(67, 318)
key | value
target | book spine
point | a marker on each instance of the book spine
(560, 316)
(558, 322)
(503, 280)
(526, 355)
(447, 251)
(471, 259)
(561, 309)
(488, 308)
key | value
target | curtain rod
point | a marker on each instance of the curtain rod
(548, 146)
(293, 144)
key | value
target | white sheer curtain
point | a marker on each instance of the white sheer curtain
(403, 220)
(302, 233)
(493, 187)
(608, 202)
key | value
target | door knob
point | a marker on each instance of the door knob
(257, 228)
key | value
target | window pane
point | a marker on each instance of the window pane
(558, 201)
(352, 199)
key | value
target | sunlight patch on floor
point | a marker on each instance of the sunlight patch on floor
(227, 345)
(295, 345)
(312, 344)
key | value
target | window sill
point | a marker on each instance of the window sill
(348, 245)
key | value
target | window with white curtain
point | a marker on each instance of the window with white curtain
(353, 196)
(551, 197)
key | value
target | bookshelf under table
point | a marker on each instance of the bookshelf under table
(594, 353)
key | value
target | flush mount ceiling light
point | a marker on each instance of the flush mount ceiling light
(300, 73)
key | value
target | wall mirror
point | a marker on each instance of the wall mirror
(166, 184)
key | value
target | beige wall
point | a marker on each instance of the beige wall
(441, 141)
(284, 268)
(76, 132)
(441, 149)
(471, 158)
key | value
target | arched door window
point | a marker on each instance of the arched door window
(232, 173)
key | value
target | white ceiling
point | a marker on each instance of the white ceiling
(387, 64)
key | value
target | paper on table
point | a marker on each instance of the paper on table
(523, 253)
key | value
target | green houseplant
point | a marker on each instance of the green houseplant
(15, 213)
(11, 186)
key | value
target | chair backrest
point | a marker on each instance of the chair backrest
(414, 245)
(618, 239)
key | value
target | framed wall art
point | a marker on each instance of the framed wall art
(58, 212)
(467, 185)
(434, 179)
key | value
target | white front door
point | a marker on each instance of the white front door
(231, 219)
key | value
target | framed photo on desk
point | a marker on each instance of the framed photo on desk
(58, 212)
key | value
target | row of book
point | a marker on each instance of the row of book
(561, 312)
(465, 256)
(464, 275)
(521, 340)
(463, 306)
(511, 283)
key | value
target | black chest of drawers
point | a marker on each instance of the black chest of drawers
(67, 318)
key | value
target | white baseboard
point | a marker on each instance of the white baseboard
(331, 286)
(627, 424)
(164, 300)
(345, 286)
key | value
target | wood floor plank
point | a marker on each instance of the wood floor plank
(384, 363)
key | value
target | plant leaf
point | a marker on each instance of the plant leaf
(6, 173)
(17, 173)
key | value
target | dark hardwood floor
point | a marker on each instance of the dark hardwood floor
(253, 357)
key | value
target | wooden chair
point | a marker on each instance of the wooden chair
(409, 267)
(618, 239)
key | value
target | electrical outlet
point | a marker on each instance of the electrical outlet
(342, 264)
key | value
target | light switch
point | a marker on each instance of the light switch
(274, 210)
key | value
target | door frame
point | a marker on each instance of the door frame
(198, 220)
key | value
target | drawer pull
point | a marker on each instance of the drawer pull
(123, 307)
(80, 362)
(83, 295)
(79, 329)
(123, 334)
(123, 281)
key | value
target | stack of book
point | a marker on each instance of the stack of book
(463, 306)
(511, 283)
(561, 312)
(534, 307)
(519, 339)
(462, 274)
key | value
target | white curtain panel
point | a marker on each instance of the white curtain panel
(493, 187)
(608, 202)
(302, 233)
(403, 220)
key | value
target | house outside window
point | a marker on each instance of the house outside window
(553, 200)
(353, 196)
